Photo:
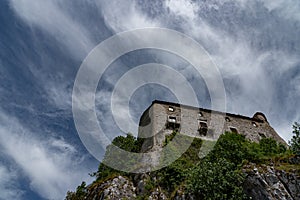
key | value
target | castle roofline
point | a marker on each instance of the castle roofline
(254, 118)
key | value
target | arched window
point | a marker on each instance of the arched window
(203, 128)
(233, 130)
(227, 119)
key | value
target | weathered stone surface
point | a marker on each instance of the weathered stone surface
(270, 184)
(116, 188)
(161, 118)
(262, 183)
(157, 194)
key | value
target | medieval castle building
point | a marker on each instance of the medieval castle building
(162, 118)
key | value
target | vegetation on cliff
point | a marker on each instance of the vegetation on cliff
(295, 141)
(218, 175)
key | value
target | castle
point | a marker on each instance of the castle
(162, 118)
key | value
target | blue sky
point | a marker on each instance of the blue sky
(254, 43)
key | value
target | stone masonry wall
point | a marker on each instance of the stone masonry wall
(165, 117)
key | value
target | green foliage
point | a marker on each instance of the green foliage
(231, 146)
(174, 174)
(128, 143)
(81, 190)
(235, 148)
(295, 141)
(269, 146)
(79, 194)
(169, 138)
(216, 180)
(216, 176)
(71, 196)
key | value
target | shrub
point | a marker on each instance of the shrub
(295, 141)
(268, 146)
(230, 146)
(216, 180)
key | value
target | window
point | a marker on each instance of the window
(171, 109)
(254, 124)
(172, 119)
(200, 114)
(173, 123)
(233, 130)
(203, 128)
(227, 119)
(262, 135)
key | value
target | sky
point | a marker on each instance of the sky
(254, 43)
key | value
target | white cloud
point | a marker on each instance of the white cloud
(51, 165)
(252, 71)
(247, 67)
(123, 16)
(184, 8)
(8, 185)
(289, 9)
(49, 16)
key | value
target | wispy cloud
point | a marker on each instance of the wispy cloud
(251, 62)
(53, 17)
(288, 9)
(124, 16)
(257, 59)
(9, 188)
(51, 165)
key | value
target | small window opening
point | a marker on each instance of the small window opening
(203, 128)
(173, 123)
(200, 114)
(262, 135)
(227, 119)
(171, 109)
(233, 130)
(254, 124)
(172, 119)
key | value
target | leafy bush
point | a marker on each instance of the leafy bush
(216, 180)
(128, 143)
(230, 146)
(216, 176)
(269, 146)
(169, 138)
(295, 141)
(235, 148)
(174, 174)
(79, 194)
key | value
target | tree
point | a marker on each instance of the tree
(295, 141)
(269, 146)
(216, 180)
(231, 146)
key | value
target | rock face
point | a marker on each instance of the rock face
(116, 188)
(122, 188)
(262, 183)
(267, 183)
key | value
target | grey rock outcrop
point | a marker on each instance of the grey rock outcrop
(116, 188)
(267, 183)
(262, 183)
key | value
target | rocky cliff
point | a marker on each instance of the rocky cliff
(234, 169)
(268, 183)
(262, 183)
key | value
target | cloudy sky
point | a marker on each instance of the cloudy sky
(254, 43)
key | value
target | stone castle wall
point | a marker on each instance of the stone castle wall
(162, 118)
